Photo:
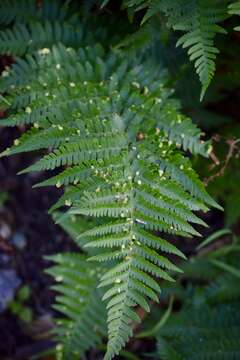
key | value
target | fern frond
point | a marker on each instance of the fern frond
(212, 334)
(122, 164)
(222, 289)
(24, 38)
(28, 10)
(199, 19)
(11, 10)
(234, 9)
(79, 300)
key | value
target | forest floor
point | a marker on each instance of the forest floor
(27, 233)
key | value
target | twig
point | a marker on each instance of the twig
(232, 147)
(161, 323)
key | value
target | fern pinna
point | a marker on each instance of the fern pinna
(79, 300)
(234, 9)
(116, 135)
(199, 20)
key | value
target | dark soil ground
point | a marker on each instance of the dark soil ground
(25, 214)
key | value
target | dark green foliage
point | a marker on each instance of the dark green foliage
(198, 19)
(36, 25)
(209, 312)
(211, 334)
(28, 10)
(84, 321)
(27, 38)
(120, 148)
(234, 9)
(222, 184)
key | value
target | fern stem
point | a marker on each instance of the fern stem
(160, 324)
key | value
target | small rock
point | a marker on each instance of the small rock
(8, 284)
(5, 231)
(4, 259)
(19, 240)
